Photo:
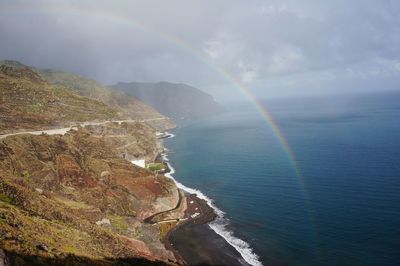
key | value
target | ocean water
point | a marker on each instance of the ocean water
(340, 207)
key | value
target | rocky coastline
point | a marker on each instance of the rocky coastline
(182, 224)
(70, 192)
(192, 240)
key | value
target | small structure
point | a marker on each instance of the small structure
(156, 167)
(140, 163)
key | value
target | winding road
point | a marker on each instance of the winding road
(149, 219)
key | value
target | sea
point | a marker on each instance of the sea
(335, 202)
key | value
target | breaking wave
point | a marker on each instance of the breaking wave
(220, 224)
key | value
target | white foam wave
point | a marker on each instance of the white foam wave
(219, 225)
(170, 135)
(164, 157)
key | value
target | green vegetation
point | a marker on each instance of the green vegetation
(70, 249)
(155, 167)
(5, 198)
(76, 205)
(119, 223)
(164, 228)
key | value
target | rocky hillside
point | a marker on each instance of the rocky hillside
(173, 100)
(76, 200)
(30, 99)
(125, 105)
(27, 101)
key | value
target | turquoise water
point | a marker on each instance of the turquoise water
(344, 209)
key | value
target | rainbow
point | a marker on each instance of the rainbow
(129, 21)
(229, 76)
(84, 11)
(199, 55)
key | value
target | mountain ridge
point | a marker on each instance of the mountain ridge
(176, 100)
(28, 102)
(37, 98)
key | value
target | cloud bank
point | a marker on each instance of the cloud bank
(273, 47)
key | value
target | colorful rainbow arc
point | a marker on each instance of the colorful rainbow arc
(119, 18)
(81, 10)
(208, 61)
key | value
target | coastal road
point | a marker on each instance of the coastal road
(149, 219)
(171, 220)
(64, 130)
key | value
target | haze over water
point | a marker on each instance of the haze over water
(345, 210)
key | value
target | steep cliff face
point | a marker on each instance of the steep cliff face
(73, 196)
(173, 100)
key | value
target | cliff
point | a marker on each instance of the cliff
(173, 100)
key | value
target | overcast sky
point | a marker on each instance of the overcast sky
(275, 48)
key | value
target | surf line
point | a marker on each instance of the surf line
(262, 110)
(219, 225)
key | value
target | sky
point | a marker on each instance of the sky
(273, 48)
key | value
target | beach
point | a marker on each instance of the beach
(193, 241)
(196, 243)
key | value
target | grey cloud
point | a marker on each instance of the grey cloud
(274, 47)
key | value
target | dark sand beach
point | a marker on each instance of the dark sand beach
(196, 243)
(193, 241)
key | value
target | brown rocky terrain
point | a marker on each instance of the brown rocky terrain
(75, 200)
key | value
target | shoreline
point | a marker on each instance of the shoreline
(207, 215)
(198, 215)
(209, 221)
(193, 242)
(236, 251)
